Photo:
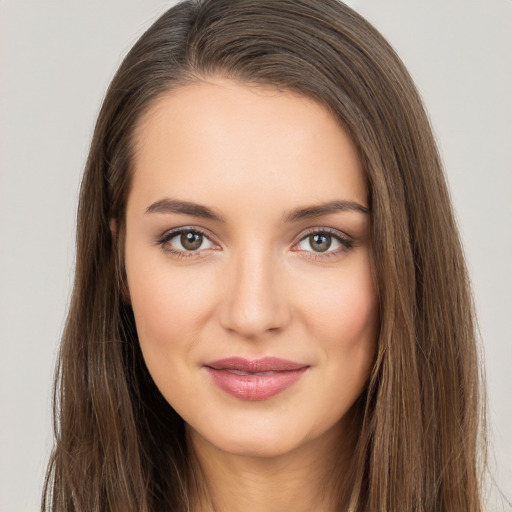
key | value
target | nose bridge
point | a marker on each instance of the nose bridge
(252, 303)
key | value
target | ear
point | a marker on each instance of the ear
(118, 256)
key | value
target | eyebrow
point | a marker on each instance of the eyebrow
(197, 210)
(340, 205)
(185, 207)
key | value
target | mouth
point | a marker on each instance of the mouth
(257, 379)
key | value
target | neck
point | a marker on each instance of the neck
(311, 477)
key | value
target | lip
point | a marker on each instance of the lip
(254, 379)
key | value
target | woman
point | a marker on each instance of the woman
(271, 308)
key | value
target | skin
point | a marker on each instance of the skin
(256, 287)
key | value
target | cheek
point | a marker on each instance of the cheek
(168, 307)
(343, 318)
(168, 312)
(343, 310)
(346, 325)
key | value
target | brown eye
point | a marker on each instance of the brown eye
(323, 242)
(191, 241)
(186, 242)
(320, 242)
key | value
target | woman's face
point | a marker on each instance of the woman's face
(248, 265)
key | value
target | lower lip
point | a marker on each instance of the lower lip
(255, 387)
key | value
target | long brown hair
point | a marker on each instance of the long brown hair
(119, 444)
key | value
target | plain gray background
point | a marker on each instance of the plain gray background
(56, 59)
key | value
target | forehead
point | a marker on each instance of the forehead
(219, 140)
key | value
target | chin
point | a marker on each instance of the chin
(264, 438)
(259, 447)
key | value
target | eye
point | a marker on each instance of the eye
(186, 240)
(191, 241)
(324, 241)
(320, 242)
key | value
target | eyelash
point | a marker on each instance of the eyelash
(345, 242)
(164, 240)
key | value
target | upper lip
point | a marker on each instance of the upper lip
(265, 364)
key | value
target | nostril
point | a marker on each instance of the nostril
(255, 322)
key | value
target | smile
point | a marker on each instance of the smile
(257, 379)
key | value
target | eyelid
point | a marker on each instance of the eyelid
(346, 241)
(168, 235)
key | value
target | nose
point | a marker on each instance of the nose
(254, 301)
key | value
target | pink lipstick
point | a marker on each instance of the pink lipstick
(256, 379)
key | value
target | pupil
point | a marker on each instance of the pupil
(320, 243)
(191, 241)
